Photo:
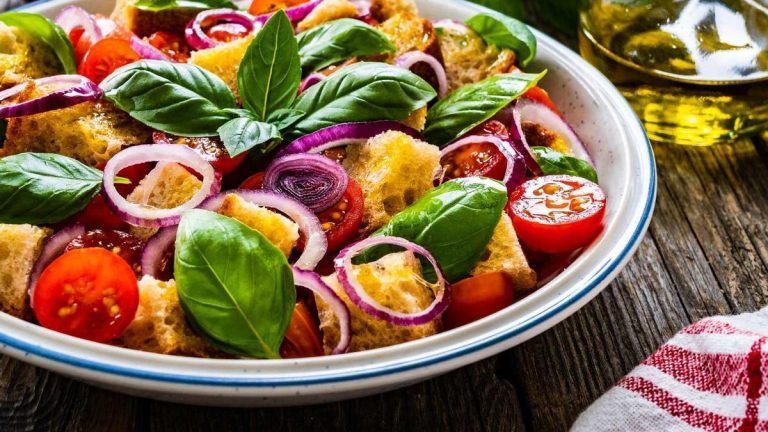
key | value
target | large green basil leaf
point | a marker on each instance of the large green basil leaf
(362, 92)
(339, 40)
(270, 72)
(48, 32)
(243, 134)
(234, 284)
(468, 106)
(505, 32)
(177, 98)
(40, 188)
(553, 162)
(454, 222)
(158, 5)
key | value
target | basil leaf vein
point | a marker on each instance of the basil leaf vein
(339, 40)
(270, 72)
(553, 162)
(470, 105)
(48, 32)
(181, 99)
(40, 188)
(243, 134)
(505, 32)
(234, 284)
(362, 92)
(454, 222)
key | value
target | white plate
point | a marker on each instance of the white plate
(626, 167)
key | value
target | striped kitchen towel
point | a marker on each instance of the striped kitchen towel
(709, 377)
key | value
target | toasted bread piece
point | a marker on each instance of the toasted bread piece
(417, 119)
(468, 59)
(395, 282)
(281, 231)
(91, 132)
(23, 56)
(223, 60)
(143, 22)
(326, 11)
(383, 10)
(160, 325)
(20, 245)
(504, 253)
(166, 186)
(409, 32)
(393, 170)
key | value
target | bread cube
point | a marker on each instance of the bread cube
(468, 59)
(20, 246)
(504, 253)
(278, 229)
(23, 56)
(326, 11)
(223, 60)
(144, 22)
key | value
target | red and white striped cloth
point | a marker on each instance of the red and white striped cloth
(711, 376)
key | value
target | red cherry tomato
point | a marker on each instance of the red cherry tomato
(477, 297)
(342, 221)
(302, 338)
(254, 182)
(210, 148)
(557, 214)
(98, 215)
(226, 32)
(110, 29)
(105, 56)
(540, 95)
(125, 245)
(173, 45)
(88, 293)
(260, 7)
(80, 43)
(480, 159)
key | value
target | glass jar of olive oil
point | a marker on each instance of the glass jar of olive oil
(696, 71)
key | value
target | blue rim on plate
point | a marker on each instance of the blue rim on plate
(552, 311)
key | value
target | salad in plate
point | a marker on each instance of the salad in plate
(290, 179)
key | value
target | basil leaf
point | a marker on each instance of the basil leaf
(468, 106)
(270, 72)
(158, 5)
(48, 32)
(552, 162)
(243, 134)
(454, 222)
(177, 98)
(41, 188)
(285, 118)
(505, 32)
(362, 92)
(337, 41)
(234, 284)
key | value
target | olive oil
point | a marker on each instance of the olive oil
(696, 71)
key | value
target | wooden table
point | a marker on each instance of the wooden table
(706, 253)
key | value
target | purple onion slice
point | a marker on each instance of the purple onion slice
(198, 39)
(514, 174)
(54, 246)
(344, 134)
(72, 17)
(409, 59)
(78, 89)
(311, 179)
(295, 14)
(314, 283)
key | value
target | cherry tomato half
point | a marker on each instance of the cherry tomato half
(88, 293)
(171, 44)
(210, 148)
(477, 297)
(540, 95)
(557, 214)
(226, 32)
(302, 338)
(481, 159)
(342, 221)
(105, 56)
(80, 43)
(127, 246)
(254, 182)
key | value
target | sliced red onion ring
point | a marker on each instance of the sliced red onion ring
(151, 217)
(146, 50)
(529, 110)
(309, 224)
(155, 249)
(344, 134)
(80, 89)
(358, 295)
(363, 10)
(54, 246)
(314, 283)
(295, 14)
(196, 36)
(309, 81)
(72, 17)
(514, 175)
(508, 118)
(313, 180)
(407, 60)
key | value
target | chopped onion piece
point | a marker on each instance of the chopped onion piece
(358, 295)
